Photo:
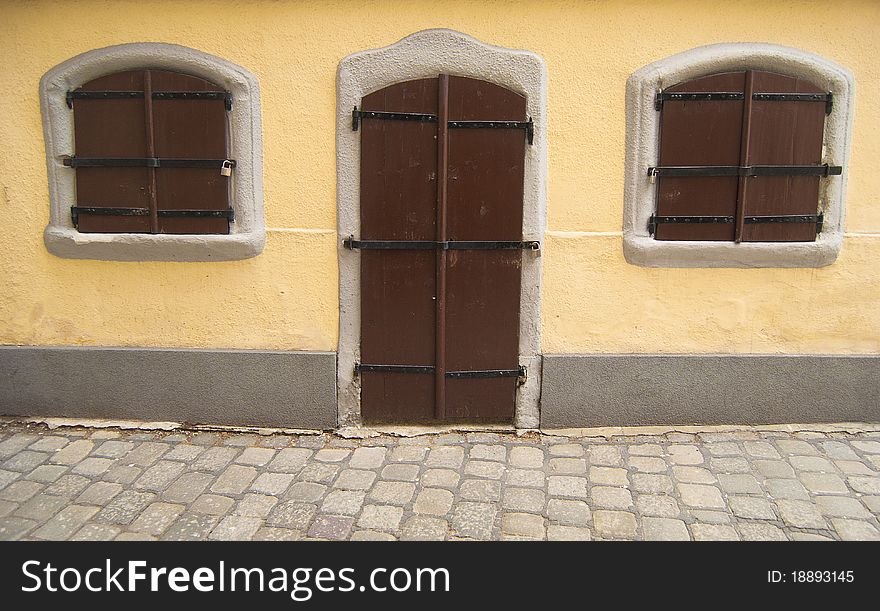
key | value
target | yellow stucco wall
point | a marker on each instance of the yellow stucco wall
(286, 298)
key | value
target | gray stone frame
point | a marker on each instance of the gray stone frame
(247, 234)
(642, 143)
(420, 55)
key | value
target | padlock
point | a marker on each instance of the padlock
(226, 168)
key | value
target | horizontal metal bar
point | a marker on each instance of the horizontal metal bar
(707, 96)
(229, 213)
(357, 115)
(783, 218)
(658, 220)
(156, 95)
(195, 95)
(828, 98)
(489, 245)
(75, 211)
(362, 367)
(488, 373)
(479, 373)
(351, 244)
(749, 220)
(528, 126)
(143, 162)
(753, 170)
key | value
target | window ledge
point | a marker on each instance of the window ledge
(248, 232)
(69, 243)
(642, 144)
(645, 251)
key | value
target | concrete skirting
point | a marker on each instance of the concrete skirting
(635, 389)
(234, 387)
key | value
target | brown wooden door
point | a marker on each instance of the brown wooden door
(442, 163)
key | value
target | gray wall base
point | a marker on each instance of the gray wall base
(234, 387)
(632, 389)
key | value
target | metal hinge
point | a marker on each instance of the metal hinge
(748, 170)
(828, 98)
(655, 220)
(663, 96)
(156, 95)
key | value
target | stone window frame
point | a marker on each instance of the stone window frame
(426, 54)
(642, 151)
(247, 235)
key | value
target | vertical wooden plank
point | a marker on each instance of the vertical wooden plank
(485, 197)
(112, 128)
(190, 129)
(398, 288)
(151, 149)
(442, 188)
(705, 132)
(745, 141)
(783, 133)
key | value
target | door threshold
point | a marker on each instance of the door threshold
(416, 430)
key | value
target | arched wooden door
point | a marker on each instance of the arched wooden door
(442, 163)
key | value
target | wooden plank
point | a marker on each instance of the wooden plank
(442, 257)
(783, 133)
(704, 132)
(744, 155)
(398, 288)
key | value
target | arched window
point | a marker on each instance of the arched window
(154, 152)
(151, 154)
(740, 159)
(736, 157)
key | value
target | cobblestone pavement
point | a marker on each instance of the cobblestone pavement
(100, 484)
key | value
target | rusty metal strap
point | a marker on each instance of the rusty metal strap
(357, 115)
(528, 126)
(707, 96)
(750, 170)
(156, 95)
(144, 162)
(353, 244)
(363, 367)
(828, 98)
(488, 373)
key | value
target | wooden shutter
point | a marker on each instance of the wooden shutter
(442, 165)
(740, 158)
(149, 149)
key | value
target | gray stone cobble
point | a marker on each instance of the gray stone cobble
(749, 484)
